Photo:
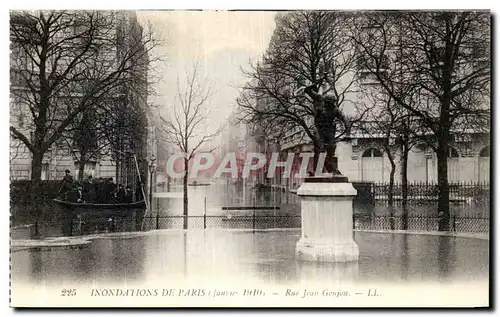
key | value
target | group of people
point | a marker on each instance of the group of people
(100, 190)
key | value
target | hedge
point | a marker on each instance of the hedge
(21, 190)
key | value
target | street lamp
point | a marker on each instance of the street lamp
(152, 169)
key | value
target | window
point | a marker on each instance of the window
(453, 165)
(452, 152)
(45, 171)
(484, 165)
(88, 170)
(485, 152)
(372, 152)
(372, 165)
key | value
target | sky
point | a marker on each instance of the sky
(222, 42)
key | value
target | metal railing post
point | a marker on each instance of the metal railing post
(253, 221)
(205, 215)
(253, 216)
(454, 223)
(70, 227)
(157, 219)
(37, 233)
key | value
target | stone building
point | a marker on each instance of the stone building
(61, 156)
(363, 158)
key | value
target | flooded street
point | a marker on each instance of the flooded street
(232, 206)
(288, 203)
(264, 257)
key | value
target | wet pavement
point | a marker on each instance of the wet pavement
(263, 257)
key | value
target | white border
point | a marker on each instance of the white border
(186, 4)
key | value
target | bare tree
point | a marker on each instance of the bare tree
(311, 50)
(68, 62)
(186, 128)
(444, 56)
(398, 132)
(382, 122)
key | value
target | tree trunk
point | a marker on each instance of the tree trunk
(36, 165)
(404, 185)
(81, 170)
(391, 189)
(185, 191)
(36, 176)
(443, 186)
(444, 139)
(391, 179)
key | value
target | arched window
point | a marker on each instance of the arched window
(372, 152)
(485, 152)
(484, 164)
(453, 165)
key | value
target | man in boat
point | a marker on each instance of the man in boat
(109, 190)
(79, 193)
(128, 196)
(99, 190)
(75, 195)
(120, 194)
(67, 182)
(89, 190)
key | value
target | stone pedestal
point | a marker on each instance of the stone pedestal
(327, 221)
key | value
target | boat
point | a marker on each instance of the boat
(136, 204)
(133, 209)
(195, 183)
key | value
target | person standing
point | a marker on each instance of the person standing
(120, 194)
(67, 183)
(88, 190)
(128, 196)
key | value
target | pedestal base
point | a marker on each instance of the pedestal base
(346, 252)
(327, 223)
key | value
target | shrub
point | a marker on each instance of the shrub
(21, 190)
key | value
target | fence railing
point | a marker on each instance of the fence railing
(253, 222)
(422, 192)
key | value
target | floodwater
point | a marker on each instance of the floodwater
(264, 257)
(211, 199)
(229, 250)
(278, 209)
(284, 211)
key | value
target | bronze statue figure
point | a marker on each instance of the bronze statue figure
(326, 112)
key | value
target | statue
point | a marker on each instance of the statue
(326, 112)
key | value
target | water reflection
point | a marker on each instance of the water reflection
(405, 257)
(446, 252)
(327, 272)
(267, 257)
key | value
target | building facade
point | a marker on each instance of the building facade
(364, 158)
(62, 155)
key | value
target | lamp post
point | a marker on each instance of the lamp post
(152, 169)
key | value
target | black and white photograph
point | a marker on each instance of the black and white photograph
(250, 158)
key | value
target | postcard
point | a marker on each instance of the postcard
(250, 158)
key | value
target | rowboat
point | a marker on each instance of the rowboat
(195, 183)
(133, 209)
(97, 206)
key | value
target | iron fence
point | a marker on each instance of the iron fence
(74, 227)
(477, 193)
